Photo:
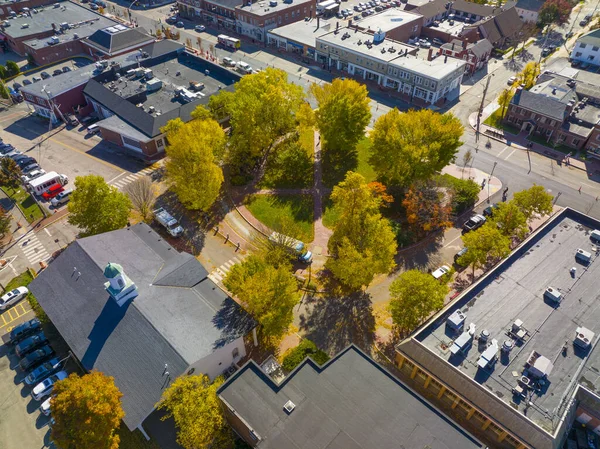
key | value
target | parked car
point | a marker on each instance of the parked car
(57, 72)
(489, 211)
(45, 75)
(199, 28)
(13, 297)
(26, 161)
(27, 82)
(441, 271)
(547, 50)
(66, 69)
(459, 254)
(45, 387)
(45, 407)
(424, 43)
(511, 80)
(437, 41)
(17, 86)
(94, 7)
(6, 148)
(180, 24)
(30, 343)
(171, 20)
(23, 330)
(61, 198)
(36, 79)
(476, 221)
(11, 153)
(34, 358)
(32, 175)
(228, 62)
(42, 371)
(53, 191)
(72, 120)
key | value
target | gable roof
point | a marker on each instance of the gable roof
(472, 8)
(508, 22)
(550, 107)
(171, 323)
(530, 5)
(481, 47)
(591, 38)
(108, 41)
(432, 8)
(351, 402)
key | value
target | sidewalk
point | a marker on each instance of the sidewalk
(491, 184)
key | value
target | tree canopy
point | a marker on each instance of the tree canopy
(528, 75)
(87, 411)
(504, 99)
(483, 244)
(510, 220)
(535, 200)
(262, 110)
(4, 223)
(555, 12)
(193, 404)
(191, 164)
(428, 208)
(10, 173)
(95, 207)
(363, 243)
(266, 292)
(414, 296)
(296, 355)
(412, 146)
(142, 194)
(343, 113)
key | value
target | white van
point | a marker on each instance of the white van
(43, 183)
(244, 68)
(93, 129)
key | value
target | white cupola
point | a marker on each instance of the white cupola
(119, 286)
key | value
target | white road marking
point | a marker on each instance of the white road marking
(451, 241)
(511, 153)
(505, 148)
(116, 177)
(47, 232)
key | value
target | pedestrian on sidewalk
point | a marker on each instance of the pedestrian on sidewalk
(579, 189)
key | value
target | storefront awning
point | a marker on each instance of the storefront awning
(296, 45)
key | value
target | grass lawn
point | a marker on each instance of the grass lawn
(364, 153)
(291, 166)
(23, 279)
(542, 141)
(335, 166)
(25, 202)
(283, 212)
(330, 214)
(496, 121)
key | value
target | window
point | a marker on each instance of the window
(591, 57)
(418, 80)
(235, 353)
(594, 48)
(575, 142)
(582, 45)
(159, 143)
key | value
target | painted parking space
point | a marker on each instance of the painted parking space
(8, 319)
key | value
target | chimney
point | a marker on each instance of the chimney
(119, 286)
(569, 108)
(452, 46)
(429, 54)
(517, 96)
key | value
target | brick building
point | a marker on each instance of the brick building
(476, 55)
(116, 40)
(12, 8)
(218, 13)
(255, 19)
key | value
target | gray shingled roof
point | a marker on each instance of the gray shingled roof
(432, 9)
(349, 403)
(591, 38)
(530, 5)
(481, 47)
(508, 22)
(472, 8)
(114, 42)
(541, 104)
(168, 323)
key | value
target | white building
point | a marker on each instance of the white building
(587, 49)
(529, 10)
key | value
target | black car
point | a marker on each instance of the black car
(459, 254)
(17, 86)
(66, 69)
(45, 75)
(24, 329)
(30, 343)
(57, 72)
(27, 82)
(37, 356)
(26, 161)
(489, 211)
(547, 50)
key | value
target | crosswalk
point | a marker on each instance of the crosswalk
(122, 182)
(220, 273)
(33, 249)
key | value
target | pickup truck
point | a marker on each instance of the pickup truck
(168, 222)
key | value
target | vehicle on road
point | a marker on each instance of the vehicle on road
(489, 211)
(441, 271)
(62, 198)
(168, 222)
(66, 69)
(27, 82)
(199, 28)
(511, 80)
(45, 407)
(30, 343)
(34, 358)
(45, 387)
(52, 192)
(228, 62)
(547, 50)
(93, 129)
(172, 20)
(296, 247)
(42, 371)
(23, 330)
(72, 120)
(13, 297)
(43, 183)
(475, 222)
(244, 68)
(459, 254)
(230, 43)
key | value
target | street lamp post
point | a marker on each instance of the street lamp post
(489, 179)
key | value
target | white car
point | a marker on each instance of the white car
(13, 297)
(45, 387)
(45, 407)
(199, 28)
(511, 80)
(441, 271)
(228, 62)
(32, 175)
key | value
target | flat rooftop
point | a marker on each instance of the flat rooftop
(388, 19)
(438, 68)
(515, 291)
(349, 403)
(356, 41)
(81, 20)
(303, 32)
(265, 7)
(454, 29)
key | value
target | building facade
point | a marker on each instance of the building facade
(475, 55)
(528, 10)
(587, 49)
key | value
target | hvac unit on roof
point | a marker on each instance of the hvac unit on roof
(553, 294)
(583, 256)
(583, 337)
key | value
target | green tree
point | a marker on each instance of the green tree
(510, 220)
(12, 68)
(363, 243)
(428, 208)
(465, 193)
(87, 411)
(343, 114)
(535, 200)
(483, 244)
(3, 72)
(414, 296)
(555, 12)
(193, 404)
(306, 348)
(267, 293)
(95, 207)
(10, 173)
(4, 223)
(504, 100)
(261, 111)
(192, 171)
(414, 145)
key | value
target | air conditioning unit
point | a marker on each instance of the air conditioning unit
(553, 294)
(583, 337)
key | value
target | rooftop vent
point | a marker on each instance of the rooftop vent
(583, 256)
(507, 346)
(25, 25)
(553, 294)
(457, 320)
(583, 337)
(289, 407)
(484, 335)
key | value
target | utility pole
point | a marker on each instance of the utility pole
(489, 179)
(480, 112)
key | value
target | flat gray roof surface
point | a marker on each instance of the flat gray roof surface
(389, 19)
(350, 403)
(42, 21)
(305, 33)
(263, 7)
(354, 41)
(516, 292)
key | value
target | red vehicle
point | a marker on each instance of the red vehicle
(52, 192)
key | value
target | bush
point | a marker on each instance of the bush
(13, 68)
(294, 356)
(465, 192)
